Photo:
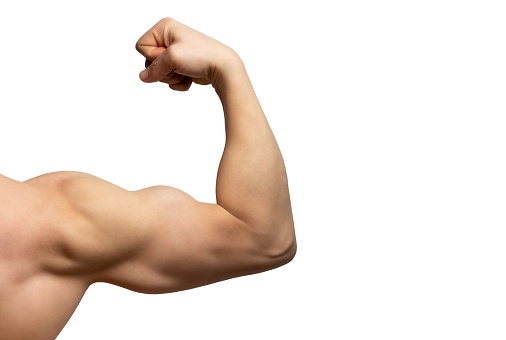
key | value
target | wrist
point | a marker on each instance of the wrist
(229, 70)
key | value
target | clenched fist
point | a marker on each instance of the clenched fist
(179, 55)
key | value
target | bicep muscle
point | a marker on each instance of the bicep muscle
(190, 244)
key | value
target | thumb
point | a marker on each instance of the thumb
(159, 68)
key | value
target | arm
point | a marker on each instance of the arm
(160, 239)
(252, 182)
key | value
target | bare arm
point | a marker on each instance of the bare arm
(160, 239)
(252, 181)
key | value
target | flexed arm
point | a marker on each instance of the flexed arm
(252, 181)
(63, 231)
(160, 239)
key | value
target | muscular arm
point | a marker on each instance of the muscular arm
(162, 240)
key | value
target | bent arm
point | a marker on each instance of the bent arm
(160, 239)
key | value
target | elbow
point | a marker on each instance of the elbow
(281, 248)
(284, 255)
(289, 254)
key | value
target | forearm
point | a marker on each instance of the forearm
(252, 181)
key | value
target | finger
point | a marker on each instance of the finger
(183, 85)
(168, 76)
(158, 69)
(172, 78)
(201, 81)
(150, 43)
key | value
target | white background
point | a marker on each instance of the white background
(391, 119)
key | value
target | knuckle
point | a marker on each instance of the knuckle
(138, 46)
(167, 20)
(154, 65)
(153, 70)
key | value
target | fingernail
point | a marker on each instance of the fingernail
(144, 75)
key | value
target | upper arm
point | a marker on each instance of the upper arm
(157, 239)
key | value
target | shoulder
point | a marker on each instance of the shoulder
(34, 218)
(93, 221)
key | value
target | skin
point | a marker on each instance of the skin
(63, 231)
